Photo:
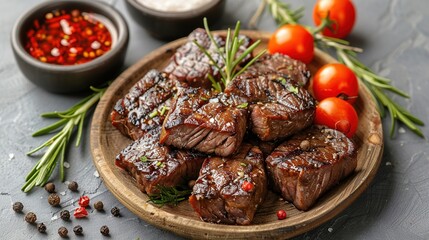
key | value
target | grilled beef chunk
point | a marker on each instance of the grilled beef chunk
(189, 64)
(140, 109)
(210, 124)
(153, 164)
(219, 196)
(291, 69)
(279, 107)
(307, 165)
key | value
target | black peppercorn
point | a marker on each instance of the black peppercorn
(78, 230)
(62, 231)
(65, 215)
(54, 199)
(30, 217)
(99, 206)
(41, 228)
(115, 212)
(50, 187)
(104, 230)
(305, 145)
(73, 186)
(17, 207)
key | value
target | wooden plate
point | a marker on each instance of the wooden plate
(107, 142)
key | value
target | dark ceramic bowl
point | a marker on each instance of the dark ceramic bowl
(72, 78)
(172, 25)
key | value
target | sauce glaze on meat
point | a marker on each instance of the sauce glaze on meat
(217, 194)
(292, 69)
(279, 106)
(131, 114)
(153, 164)
(308, 164)
(206, 122)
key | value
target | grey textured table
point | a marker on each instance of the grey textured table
(395, 36)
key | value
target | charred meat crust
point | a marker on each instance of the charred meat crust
(293, 69)
(190, 65)
(132, 113)
(218, 196)
(279, 107)
(153, 164)
(208, 123)
(308, 164)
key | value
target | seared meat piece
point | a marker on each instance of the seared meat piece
(229, 190)
(152, 164)
(307, 165)
(206, 123)
(189, 64)
(279, 107)
(140, 109)
(291, 69)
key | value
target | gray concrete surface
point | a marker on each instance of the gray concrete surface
(394, 34)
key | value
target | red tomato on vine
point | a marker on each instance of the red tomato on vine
(294, 41)
(337, 114)
(335, 80)
(341, 12)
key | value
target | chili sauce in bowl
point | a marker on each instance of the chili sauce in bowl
(68, 46)
(66, 37)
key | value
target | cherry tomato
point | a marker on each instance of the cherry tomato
(337, 114)
(335, 80)
(294, 41)
(341, 12)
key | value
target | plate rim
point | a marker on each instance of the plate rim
(178, 224)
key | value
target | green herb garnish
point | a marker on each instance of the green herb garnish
(346, 54)
(57, 145)
(144, 159)
(229, 56)
(169, 195)
(163, 110)
(243, 105)
(282, 80)
(154, 113)
(243, 164)
(293, 89)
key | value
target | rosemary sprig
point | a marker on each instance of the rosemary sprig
(229, 56)
(378, 85)
(56, 145)
(280, 11)
(169, 195)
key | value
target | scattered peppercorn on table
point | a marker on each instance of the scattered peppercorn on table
(394, 206)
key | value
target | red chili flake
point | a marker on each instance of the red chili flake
(281, 214)
(84, 201)
(80, 212)
(36, 24)
(247, 186)
(77, 37)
